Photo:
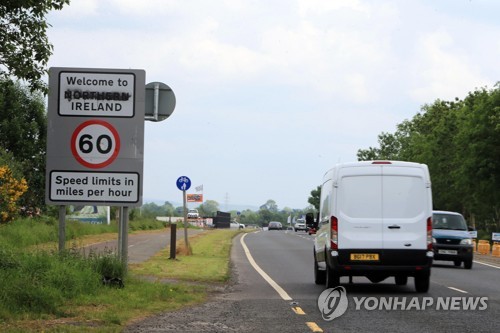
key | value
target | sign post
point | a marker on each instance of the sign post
(183, 184)
(62, 227)
(95, 140)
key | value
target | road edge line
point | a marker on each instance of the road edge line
(283, 294)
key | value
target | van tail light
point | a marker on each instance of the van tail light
(334, 233)
(429, 233)
(381, 162)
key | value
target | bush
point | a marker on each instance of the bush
(40, 283)
(107, 265)
(11, 190)
(146, 224)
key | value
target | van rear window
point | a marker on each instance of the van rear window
(404, 196)
(361, 196)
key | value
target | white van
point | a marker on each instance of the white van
(375, 220)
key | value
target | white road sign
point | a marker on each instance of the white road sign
(94, 187)
(95, 136)
(96, 94)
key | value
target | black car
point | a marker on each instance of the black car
(274, 226)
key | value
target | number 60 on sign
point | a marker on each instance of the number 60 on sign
(95, 144)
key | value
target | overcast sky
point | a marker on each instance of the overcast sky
(271, 94)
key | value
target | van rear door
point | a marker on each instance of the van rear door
(383, 206)
(405, 207)
(359, 200)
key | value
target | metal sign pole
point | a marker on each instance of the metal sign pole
(186, 243)
(120, 228)
(125, 238)
(183, 184)
(62, 227)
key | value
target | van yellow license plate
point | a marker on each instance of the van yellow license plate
(364, 256)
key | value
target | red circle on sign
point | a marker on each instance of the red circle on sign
(109, 157)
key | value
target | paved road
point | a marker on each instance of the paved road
(251, 304)
(142, 246)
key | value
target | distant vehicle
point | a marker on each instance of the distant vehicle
(451, 239)
(237, 225)
(311, 224)
(375, 221)
(273, 225)
(300, 224)
(193, 214)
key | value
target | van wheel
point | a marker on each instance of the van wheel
(422, 282)
(319, 275)
(401, 280)
(468, 264)
(332, 278)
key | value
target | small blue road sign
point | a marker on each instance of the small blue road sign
(183, 183)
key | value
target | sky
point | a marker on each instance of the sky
(270, 94)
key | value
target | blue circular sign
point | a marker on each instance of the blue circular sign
(183, 183)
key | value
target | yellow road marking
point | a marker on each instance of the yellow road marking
(298, 310)
(314, 327)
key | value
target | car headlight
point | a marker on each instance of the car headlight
(466, 241)
(433, 240)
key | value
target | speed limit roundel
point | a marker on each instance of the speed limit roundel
(95, 144)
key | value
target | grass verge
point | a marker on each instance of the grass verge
(67, 294)
(209, 261)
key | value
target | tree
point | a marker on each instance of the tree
(23, 132)
(270, 205)
(478, 168)
(459, 140)
(169, 208)
(209, 208)
(315, 197)
(249, 217)
(152, 210)
(24, 46)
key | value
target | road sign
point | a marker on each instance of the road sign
(96, 93)
(194, 197)
(95, 144)
(160, 101)
(183, 183)
(95, 136)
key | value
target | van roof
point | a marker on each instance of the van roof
(445, 212)
(383, 162)
(388, 163)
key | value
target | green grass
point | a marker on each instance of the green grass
(110, 309)
(62, 292)
(23, 233)
(209, 261)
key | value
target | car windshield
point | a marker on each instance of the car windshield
(448, 221)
